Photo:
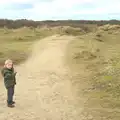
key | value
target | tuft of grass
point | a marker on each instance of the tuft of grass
(73, 31)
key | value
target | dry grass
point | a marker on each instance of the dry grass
(97, 66)
(16, 43)
(109, 27)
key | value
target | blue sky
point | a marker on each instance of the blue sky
(60, 9)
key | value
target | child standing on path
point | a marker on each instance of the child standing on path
(9, 81)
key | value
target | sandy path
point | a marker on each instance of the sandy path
(43, 91)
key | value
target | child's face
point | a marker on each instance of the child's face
(9, 65)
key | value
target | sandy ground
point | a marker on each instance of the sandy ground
(44, 90)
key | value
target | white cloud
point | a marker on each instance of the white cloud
(56, 7)
(44, 9)
(15, 1)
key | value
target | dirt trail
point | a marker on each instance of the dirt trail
(43, 91)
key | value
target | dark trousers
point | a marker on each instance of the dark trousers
(10, 93)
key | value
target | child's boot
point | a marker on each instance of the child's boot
(10, 105)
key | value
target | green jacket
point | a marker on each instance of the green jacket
(9, 77)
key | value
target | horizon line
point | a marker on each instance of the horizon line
(62, 19)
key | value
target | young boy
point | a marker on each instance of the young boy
(9, 81)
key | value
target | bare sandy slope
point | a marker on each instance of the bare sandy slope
(44, 90)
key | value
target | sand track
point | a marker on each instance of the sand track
(44, 90)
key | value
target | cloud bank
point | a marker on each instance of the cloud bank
(60, 9)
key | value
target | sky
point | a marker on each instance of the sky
(60, 9)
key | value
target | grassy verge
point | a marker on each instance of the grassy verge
(95, 58)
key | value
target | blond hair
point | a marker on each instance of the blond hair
(8, 61)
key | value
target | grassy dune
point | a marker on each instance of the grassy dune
(93, 57)
(16, 43)
(98, 55)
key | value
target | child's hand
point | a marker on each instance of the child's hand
(15, 73)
